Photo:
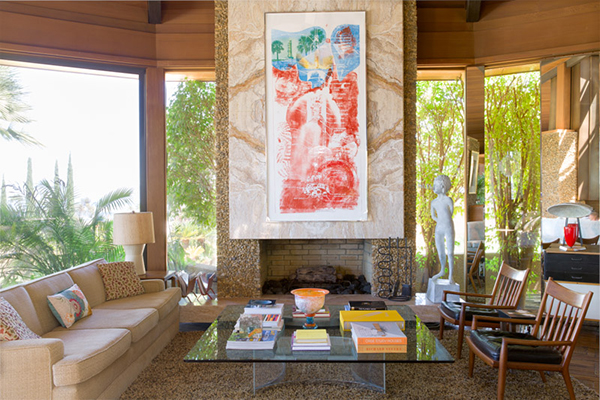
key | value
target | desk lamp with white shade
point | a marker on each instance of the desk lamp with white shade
(132, 231)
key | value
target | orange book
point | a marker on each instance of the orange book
(386, 348)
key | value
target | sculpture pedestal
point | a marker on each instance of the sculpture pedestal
(435, 290)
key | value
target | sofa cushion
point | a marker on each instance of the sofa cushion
(88, 278)
(69, 305)
(39, 291)
(20, 300)
(12, 326)
(138, 322)
(120, 280)
(87, 352)
(163, 302)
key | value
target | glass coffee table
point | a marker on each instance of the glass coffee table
(281, 364)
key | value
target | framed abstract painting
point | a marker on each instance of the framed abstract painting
(316, 116)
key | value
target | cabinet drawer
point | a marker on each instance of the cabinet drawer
(572, 276)
(579, 263)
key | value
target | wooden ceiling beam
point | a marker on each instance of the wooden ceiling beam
(154, 12)
(473, 10)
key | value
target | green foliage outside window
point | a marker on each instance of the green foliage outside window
(440, 141)
(43, 232)
(191, 174)
(512, 173)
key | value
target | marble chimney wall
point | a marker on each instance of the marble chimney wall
(244, 231)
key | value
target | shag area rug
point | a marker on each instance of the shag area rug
(168, 377)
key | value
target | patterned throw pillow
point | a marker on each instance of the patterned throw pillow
(69, 305)
(120, 280)
(12, 326)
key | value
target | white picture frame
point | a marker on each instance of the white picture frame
(316, 116)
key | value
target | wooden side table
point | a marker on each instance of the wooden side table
(166, 276)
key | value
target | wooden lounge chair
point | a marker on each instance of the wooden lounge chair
(549, 347)
(474, 261)
(505, 295)
(205, 281)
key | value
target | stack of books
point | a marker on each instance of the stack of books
(263, 307)
(240, 340)
(322, 313)
(269, 311)
(378, 337)
(365, 305)
(257, 328)
(311, 340)
(347, 317)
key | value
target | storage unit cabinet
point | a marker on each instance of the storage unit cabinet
(578, 271)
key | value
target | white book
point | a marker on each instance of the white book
(276, 309)
(311, 346)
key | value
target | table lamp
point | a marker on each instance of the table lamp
(572, 210)
(132, 231)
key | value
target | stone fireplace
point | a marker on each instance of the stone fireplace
(250, 246)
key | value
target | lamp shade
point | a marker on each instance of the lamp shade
(133, 228)
(570, 210)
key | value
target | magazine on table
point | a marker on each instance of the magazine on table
(241, 340)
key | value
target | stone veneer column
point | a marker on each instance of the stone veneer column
(559, 168)
(238, 261)
(410, 148)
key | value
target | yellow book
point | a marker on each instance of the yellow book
(311, 334)
(346, 317)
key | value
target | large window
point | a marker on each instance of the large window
(69, 158)
(512, 175)
(191, 176)
(440, 143)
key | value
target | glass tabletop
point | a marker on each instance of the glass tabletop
(422, 345)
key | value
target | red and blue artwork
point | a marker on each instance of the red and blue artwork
(316, 117)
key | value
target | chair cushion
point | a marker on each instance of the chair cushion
(490, 343)
(453, 309)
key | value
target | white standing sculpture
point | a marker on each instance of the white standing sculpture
(442, 208)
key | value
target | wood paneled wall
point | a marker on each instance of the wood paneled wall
(118, 33)
(507, 31)
(113, 32)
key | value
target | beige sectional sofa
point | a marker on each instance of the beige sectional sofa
(100, 355)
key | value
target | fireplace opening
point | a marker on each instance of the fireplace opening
(324, 277)
(342, 266)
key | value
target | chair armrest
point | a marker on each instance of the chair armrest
(484, 318)
(479, 305)
(153, 285)
(446, 292)
(26, 367)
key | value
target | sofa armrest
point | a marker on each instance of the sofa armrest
(26, 367)
(153, 285)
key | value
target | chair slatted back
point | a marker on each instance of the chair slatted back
(565, 314)
(476, 260)
(545, 245)
(509, 286)
(592, 240)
